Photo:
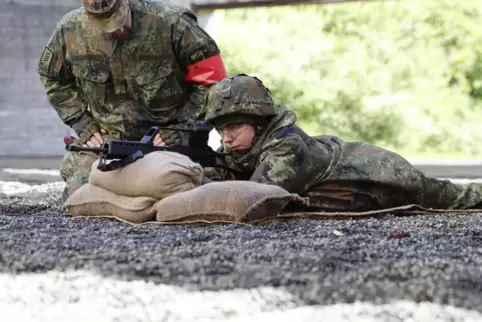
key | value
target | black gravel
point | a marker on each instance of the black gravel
(439, 260)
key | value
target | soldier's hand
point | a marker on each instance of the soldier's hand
(96, 140)
(167, 137)
(158, 140)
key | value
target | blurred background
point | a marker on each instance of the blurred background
(405, 75)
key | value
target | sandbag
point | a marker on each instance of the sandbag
(94, 201)
(158, 174)
(232, 201)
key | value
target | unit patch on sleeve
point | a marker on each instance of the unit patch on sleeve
(46, 59)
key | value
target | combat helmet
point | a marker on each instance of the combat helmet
(239, 99)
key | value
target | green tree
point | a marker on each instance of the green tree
(406, 75)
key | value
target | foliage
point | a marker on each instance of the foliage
(405, 75)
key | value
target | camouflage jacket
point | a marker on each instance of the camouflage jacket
(283, 155)
(336, 175)
(90, 77)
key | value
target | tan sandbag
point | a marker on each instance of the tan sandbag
(157, 175)
(93, 201)
(232, 201)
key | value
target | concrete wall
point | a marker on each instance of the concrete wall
(29, 125)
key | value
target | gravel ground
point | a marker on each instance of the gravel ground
(51, 265)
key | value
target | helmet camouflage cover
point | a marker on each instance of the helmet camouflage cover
(236, 96)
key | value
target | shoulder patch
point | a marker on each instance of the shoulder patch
(46, 59)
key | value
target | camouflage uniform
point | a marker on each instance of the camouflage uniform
(94, 81)
(335, 175)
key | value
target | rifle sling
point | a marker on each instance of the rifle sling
(117, 164)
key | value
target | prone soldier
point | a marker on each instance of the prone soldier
(266, 146)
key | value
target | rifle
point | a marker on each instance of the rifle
(125, 152)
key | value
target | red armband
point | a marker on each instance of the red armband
(206, 72)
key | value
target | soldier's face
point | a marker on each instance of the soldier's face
(238, 137)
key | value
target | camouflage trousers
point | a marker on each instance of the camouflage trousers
(363, 177)
(362, 196)
(468, 196)
(75, 170)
